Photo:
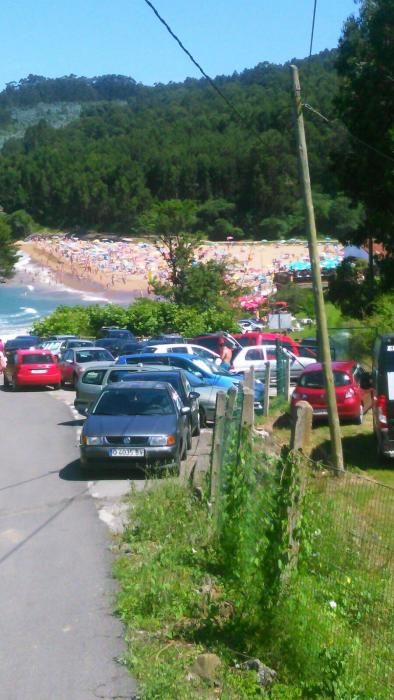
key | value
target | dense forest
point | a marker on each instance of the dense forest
(134, 145)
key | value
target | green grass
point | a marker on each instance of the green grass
(172, 599)
(189, 587)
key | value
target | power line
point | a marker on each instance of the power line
(193, 60)
(313, 29)
(353, 136)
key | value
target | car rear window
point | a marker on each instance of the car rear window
(93, 376)
(315, 380)
(37, 359)
(117, 375)
(93, 356)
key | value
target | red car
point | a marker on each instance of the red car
(31, 368)
(266, 338)
(352, 389)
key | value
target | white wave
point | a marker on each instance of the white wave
(88, 297)
(29, 310)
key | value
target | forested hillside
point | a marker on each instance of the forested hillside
(134, 145)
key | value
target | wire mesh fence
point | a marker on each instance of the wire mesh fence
(339, 597)
(351, 560)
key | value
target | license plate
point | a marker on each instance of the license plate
(320, 412)
(126, 452)
(38, 371)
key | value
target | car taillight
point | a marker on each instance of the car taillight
(381, 403)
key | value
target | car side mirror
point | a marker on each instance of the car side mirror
(194, 395)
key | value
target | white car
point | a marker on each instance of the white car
(258, 355)
(185, 349)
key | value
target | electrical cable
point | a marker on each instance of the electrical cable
(313, 29)
(353, 136)
(212, 83)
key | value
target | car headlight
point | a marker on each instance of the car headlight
(162, 440)
(92, 440)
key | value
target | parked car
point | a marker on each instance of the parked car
(22, 342)
(383, 394)
(192, 363)
(132, 423)
(93, 380)
(213, 341)
(249, 324)
(258, 355)
(76, 343)
(262, 338)
(182, 349)
(208, 393)
(31, 368)
(75, 360)
(312, 345)
(115, 332)
(352, 390)
(209, 375)
(120, 346)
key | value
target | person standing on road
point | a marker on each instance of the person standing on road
(3, 362)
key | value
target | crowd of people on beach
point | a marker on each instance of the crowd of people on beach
(124, 264)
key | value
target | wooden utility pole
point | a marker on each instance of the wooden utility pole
(335, 431)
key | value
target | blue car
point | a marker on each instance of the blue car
(206, 375)
(192, 363)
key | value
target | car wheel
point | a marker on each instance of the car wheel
(189, 439)
(184, 450)
(6, 382)
(360, 417)
(197, 429)
(74, 381)
(203, 418)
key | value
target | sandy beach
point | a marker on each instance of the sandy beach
(122, 268)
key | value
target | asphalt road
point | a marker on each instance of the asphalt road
(58, 638)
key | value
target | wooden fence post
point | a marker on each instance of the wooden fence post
(287, 379)
(247, 418)
(267, 381)
(249, 378)
(217, 446)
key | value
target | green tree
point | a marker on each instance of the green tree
(366, 105)
(171, 222)
(8, 253)
(21, 224)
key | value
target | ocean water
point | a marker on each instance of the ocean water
(34, 294)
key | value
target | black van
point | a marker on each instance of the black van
(383, 394)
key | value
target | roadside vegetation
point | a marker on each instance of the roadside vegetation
(193, 583)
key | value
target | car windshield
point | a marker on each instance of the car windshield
(79, 343)
(315, 380)
(37, 359)
(210, 367)
(134, 402)
(92, 356)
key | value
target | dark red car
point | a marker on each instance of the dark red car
(267, 338)
(352, 389)
(33, 367)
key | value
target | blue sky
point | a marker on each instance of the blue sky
(96, 37)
